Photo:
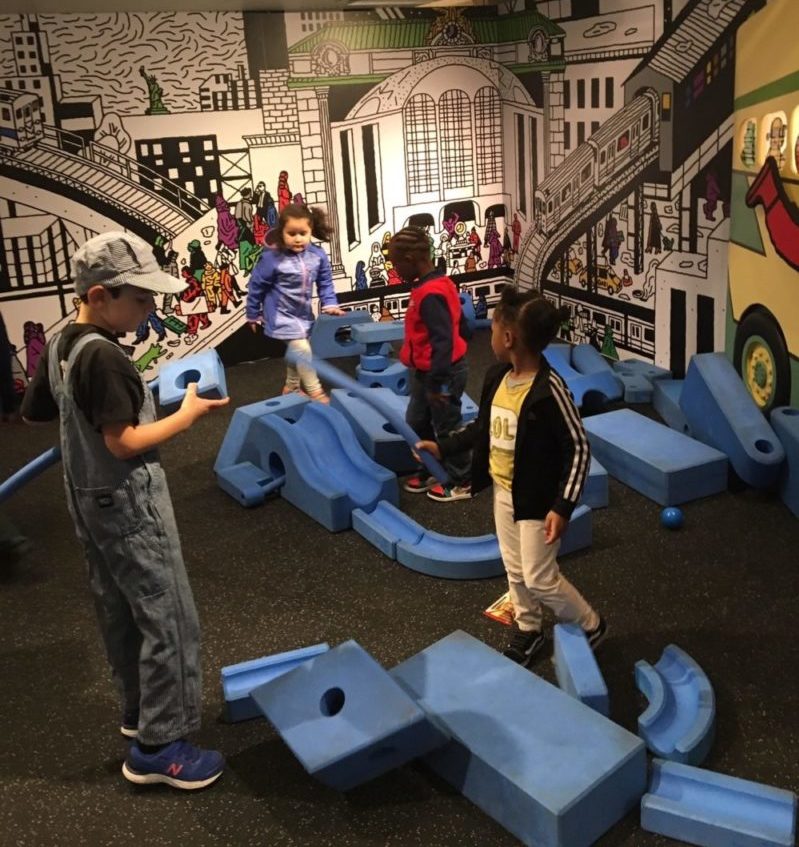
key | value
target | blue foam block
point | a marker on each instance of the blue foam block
(385, 526)
(396, 377)
(642, 368)
(637, 388)
(721, 413)
(666, 400)
(785, 421)
(664, 465)
(331, 335)
(714, 810)
(680, 721)
(379, 332)
(239, 680)
(546, 767)
(586, 359)
(578, 534)
(601, 381)
(595, 492)
(345, 718)
(577, 670)
(206, 369)
(239, 467)
(374, 363)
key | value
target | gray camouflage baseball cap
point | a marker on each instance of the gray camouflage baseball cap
(114, 259)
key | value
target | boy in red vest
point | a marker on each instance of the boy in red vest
(435, 351)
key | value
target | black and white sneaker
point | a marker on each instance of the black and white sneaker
(597, 635)
(524, 646)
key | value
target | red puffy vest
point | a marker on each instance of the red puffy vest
(416, 350)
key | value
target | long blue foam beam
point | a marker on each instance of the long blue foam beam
(38, 465)
(335, 377)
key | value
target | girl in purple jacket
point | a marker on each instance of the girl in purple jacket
(281, 287)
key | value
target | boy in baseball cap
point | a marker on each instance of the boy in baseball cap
(119, 501)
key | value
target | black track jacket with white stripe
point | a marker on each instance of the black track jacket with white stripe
(551, 455)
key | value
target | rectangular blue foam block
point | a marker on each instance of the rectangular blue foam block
(239, 680)
(721, 413)
(785, 421)
(379, 332)
(206, 369)
(546, 767)
(577, 670)
(595, 492)
(395, 376)
(664, 465)
(714, 810)
(345, 718)
(331, 335)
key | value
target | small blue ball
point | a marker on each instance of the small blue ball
(672, 517)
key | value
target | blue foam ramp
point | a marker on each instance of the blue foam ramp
(595, 492)
(679, 723)
(331, 335)
(715, 810)
(664, 465)
(385, 526)
(239, 680)
(345, 718)
(206, 369)
(602, 382)
(327, 472)
(379, 332)
(240, 469)
(785, 421)
(546, 767)
(666, 400)
(577, 670)
(721, 413)
(396, 377)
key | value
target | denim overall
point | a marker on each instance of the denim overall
(124, 519)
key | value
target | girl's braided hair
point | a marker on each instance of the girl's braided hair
(536, 318)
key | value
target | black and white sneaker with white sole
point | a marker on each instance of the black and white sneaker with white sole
(524, 646)
(597, 635)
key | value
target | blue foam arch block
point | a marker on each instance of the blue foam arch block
(345, 718)
(331, 335)
(396, 377)
(679, 723)
(715, 810)
(785, 421)
(379, 332)
(664, 465)
(666, 400)
(239, 467)
(205, 368)
(553, 772)
(721, 413)
(327, 472)
(595, 493)
(239, 680)
(577, 670)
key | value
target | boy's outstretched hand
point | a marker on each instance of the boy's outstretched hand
(197, 406)
(430, 446)
(554, 526)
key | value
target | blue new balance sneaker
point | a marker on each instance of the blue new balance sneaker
(179, 764)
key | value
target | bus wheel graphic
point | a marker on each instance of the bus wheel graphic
(761, 358)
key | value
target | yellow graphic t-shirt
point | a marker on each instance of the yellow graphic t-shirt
(505, 408)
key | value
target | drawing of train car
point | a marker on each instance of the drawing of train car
(20, 119)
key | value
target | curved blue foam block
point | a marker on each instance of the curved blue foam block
(712, 809)
(679, 723)
(345, 718)
(28, 472)
(327, 472)
(396, 377)
(205, 368)
(546, 767)
(785, 421)
(664, 465)
(600, 381)
(577, 670)
(341, 380)
(331, 335)
(238, 466)
(721, 413)
(666, 400)
(239, 680)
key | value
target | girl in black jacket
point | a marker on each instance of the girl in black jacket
(528, 438)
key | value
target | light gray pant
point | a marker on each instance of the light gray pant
(302, 375)
(534, 577)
